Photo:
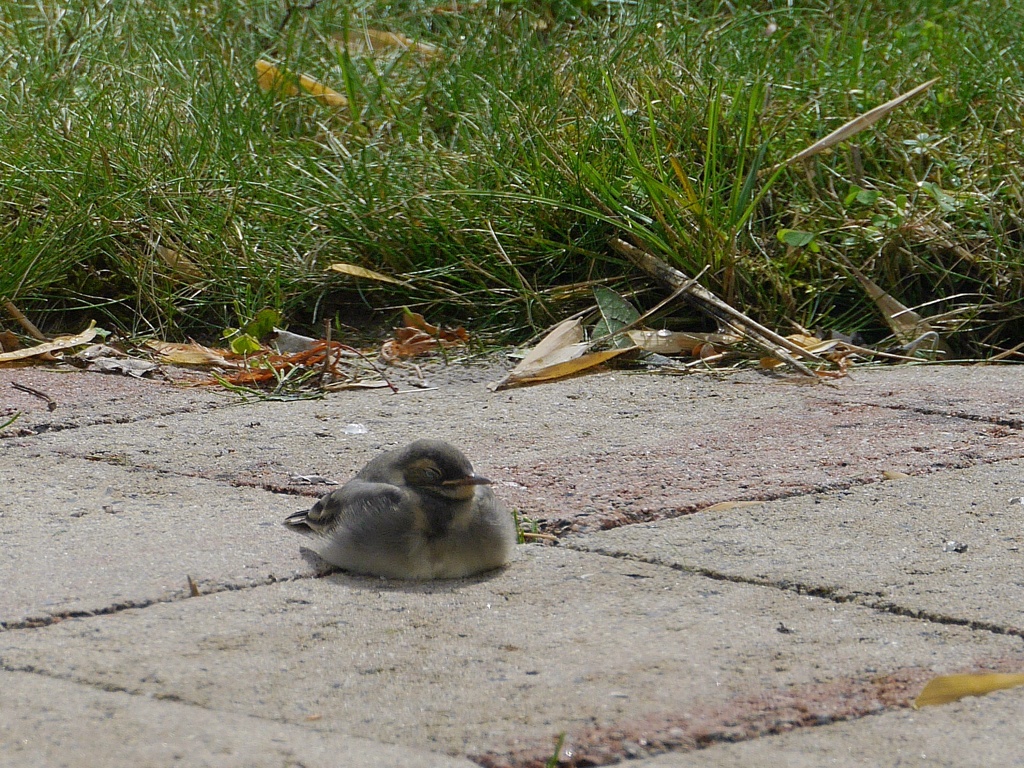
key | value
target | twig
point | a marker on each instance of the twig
(51, 404)
(1006, 353)
(377, 370)
(327, 353)
(27, 324)
(292, 8)
(363, 357)
(530, 536)
(714, 306)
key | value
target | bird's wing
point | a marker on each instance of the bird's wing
(356, 501)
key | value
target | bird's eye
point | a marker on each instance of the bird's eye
(424, 474)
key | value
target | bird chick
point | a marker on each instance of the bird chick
(419, 512)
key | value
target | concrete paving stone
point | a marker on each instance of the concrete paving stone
(84, 398)
(558, 641)
(576, 455)
(990, 393)
(894, 545)
(86, 536)
(973, 733)
(58, 724)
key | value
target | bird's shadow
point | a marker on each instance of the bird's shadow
(325, 570)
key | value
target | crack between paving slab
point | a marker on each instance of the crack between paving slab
(556, 527)
(1017, 424)
(39, 622)
(825, 593)
(158, 696)
(43, 429)
(743, 718)
(115, 460)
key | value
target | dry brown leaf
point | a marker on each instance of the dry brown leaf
(179, 264)
(369, 274)
(859, 123)
(281, 81)
(418, 337)
(906, 325)
(61, 342)
(416, 320)
(676, 342)
(368, 384)
(947, 688)
(559, 354)
(561, 370)
(813, 344)
(191, 354)
(408, 342)
(559, 345)
(329, 358)
(8, 342)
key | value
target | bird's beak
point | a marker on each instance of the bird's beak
(467, 480)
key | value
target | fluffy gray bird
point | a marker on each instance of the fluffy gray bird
(416, 513)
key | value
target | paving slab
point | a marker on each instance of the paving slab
(982, 392)
(950, 549)
(835, 599)
(55, 723)
(87, 536)
(78, 398)
(579, 455)
(558, 641)
(973, 733)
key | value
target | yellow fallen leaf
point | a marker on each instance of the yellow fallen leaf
(947, 688)
(379, 39)
(369, 274)
(272, 78)
(322, 93)
(892, 474)
(62, 342)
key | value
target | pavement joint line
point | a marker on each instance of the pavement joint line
(41, 622)
(825, 593)
(149, 696)
(1017, 424)
(43, 429)
(115, 461)
(647, 516)
(562, 527)
(762, 713)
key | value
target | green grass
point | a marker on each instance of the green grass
(146, 181)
